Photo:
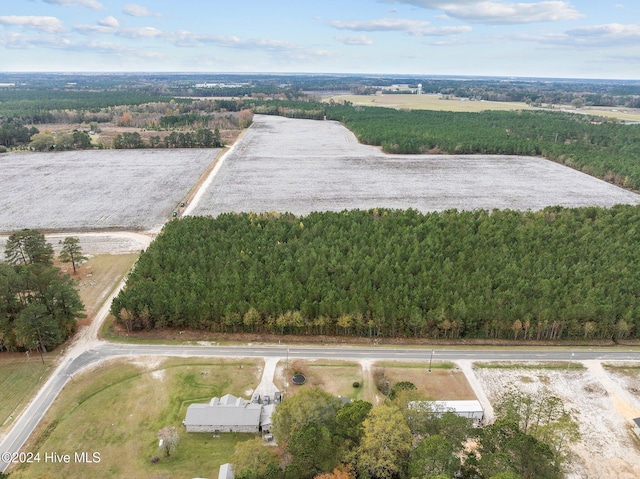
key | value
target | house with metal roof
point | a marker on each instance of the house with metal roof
(225, 414)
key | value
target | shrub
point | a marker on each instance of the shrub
(356, 384)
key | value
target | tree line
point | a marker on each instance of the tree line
(39, 304)
(407, 437)
(200, 138)
(554, 274)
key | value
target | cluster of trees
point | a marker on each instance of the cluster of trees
(47, 141)
(200, 138)
(553, 274)
(402, 438)
(38, 304)
(14, 133)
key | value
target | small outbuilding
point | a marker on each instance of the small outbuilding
(226, 472)
(468, 409)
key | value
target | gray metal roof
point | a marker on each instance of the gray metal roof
(224, 412)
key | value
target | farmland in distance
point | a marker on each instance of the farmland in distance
(300, 166)
(99, 189)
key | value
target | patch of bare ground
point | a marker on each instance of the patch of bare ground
(95, 279)
(607, 448)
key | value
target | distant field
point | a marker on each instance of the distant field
(429, 102)
(300, 166)
(440, 103)
(129, 189)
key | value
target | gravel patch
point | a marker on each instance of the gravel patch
(128, 189)
(300, 166)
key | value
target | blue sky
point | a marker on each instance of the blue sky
(549, 38)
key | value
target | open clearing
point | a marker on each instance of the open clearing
(97, 189)
(117, 409)
(441, 103)
(300, 166)
(608, 449)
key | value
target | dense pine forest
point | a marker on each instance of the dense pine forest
(553, 274)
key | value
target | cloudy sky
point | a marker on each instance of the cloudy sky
(541, 38)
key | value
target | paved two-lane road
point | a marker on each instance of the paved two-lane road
(26, 423)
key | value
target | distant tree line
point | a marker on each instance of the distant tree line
(553, 274)
(200, 138)
(39, 304)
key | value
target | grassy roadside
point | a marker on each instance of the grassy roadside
(121, 406)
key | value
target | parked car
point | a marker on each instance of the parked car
(266, 400)
(255, 399)
(277, 397)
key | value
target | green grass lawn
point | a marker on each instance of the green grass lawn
(19, 378)
(118, 409)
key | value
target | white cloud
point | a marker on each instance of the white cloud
(354, 39)
(92, 4)
(141, 32)
(605, 35)
(412, 27)
(111, 22)
(499, 12)
(21, 41)
(42, 24)
(134, 10)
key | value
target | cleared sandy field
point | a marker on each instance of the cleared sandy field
(607, 448)
(128, 189)
(300, 166)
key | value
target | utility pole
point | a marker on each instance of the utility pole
(430, 360)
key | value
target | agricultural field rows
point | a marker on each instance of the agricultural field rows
(99, 189)
(300, 166)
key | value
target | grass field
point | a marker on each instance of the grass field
(440, 103)
(444, 382)
(20, 377)
(122, 406)
(335, 377)
(429, 102)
